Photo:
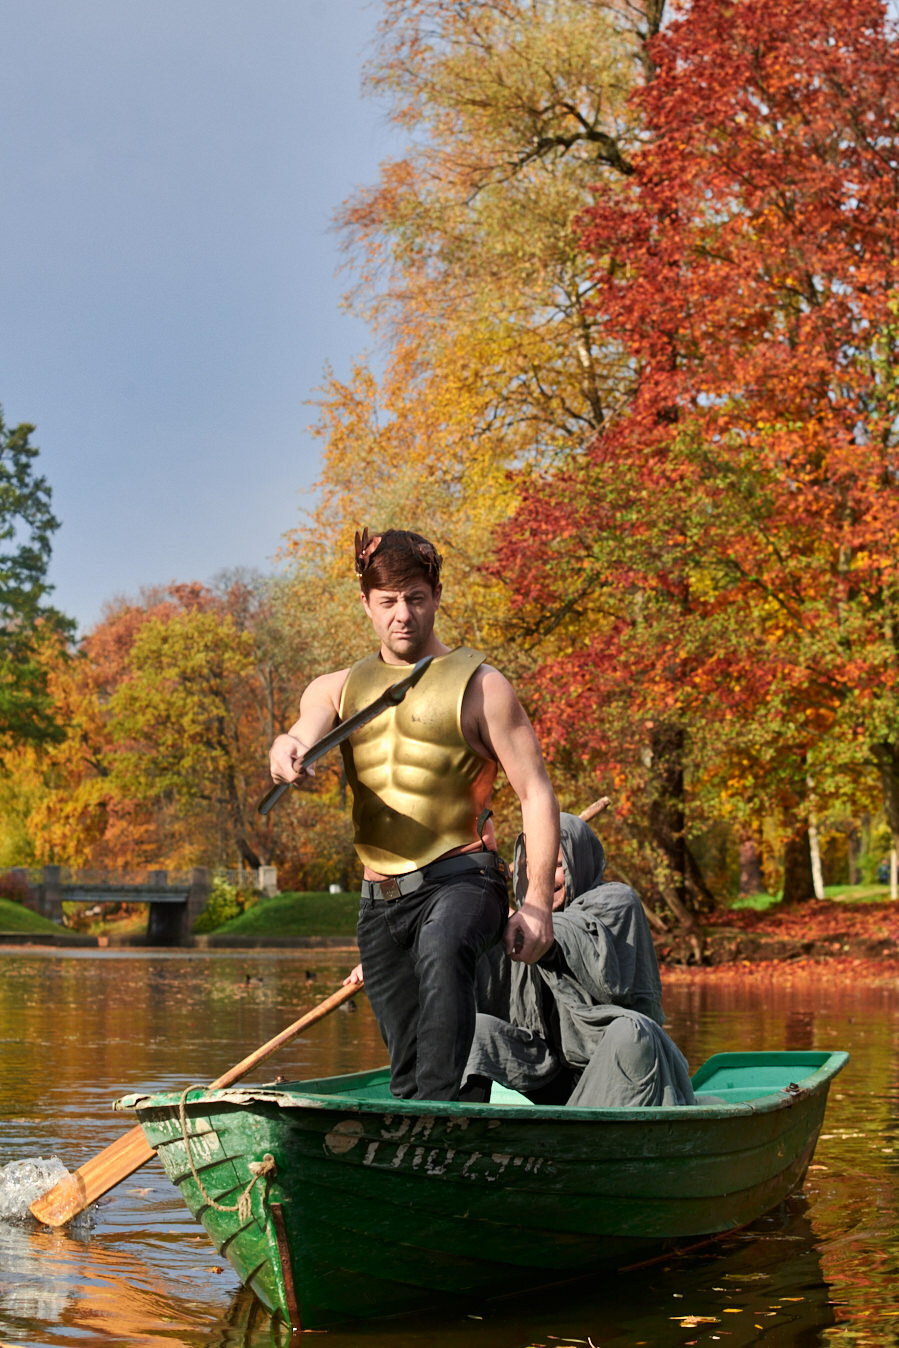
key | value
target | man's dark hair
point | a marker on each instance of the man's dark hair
(395, 559)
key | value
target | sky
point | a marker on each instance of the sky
(169, 296)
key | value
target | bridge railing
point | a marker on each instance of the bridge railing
(106, 877)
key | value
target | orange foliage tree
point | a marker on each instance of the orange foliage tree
(169, 707)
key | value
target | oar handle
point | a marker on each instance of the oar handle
(596, 808)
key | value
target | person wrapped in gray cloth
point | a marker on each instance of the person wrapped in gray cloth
(584, 1024)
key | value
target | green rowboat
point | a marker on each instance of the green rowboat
(334, 1200)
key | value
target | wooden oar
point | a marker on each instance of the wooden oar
(596, 808)
(120, 1159)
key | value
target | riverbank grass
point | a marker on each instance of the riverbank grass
(294, 914)
(16, 918)
(838, 893)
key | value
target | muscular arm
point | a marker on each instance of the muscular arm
(318, 714)
(506, 733)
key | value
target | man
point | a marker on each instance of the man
(584, 1023)
(434, 894)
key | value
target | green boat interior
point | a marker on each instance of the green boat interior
(726, 1079)
(745, 1081)
(734, 1078)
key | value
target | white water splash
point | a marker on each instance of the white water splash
(21, 1182)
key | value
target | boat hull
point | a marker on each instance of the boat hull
(371, 1206)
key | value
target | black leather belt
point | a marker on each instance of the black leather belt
(400, 886)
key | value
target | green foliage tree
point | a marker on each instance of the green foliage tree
(27, 525)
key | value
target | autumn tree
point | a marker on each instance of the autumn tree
(468, 265)
(738, 517)
(169, 706)
(60, 808)
(473, 277)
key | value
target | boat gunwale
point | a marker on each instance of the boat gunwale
(347, 1103)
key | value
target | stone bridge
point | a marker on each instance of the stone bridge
(173, 909)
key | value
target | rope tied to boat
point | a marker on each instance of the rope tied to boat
(244, 1205)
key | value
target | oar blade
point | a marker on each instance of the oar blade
(121, 1158)
(91, 1181)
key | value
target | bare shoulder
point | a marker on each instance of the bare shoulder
(495, 691)
(324, 691)
(490, 711)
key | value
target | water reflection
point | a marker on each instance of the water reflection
(78, 1290)
(78, 1030)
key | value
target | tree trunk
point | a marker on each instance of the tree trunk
(799, 886)
(249, 856)
(667, 823)
(814, 844)
(752, 881)
(854, 846)
(814, 848)
(886, 756)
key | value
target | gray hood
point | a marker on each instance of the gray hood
(601, 930)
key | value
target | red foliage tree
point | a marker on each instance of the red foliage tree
(730, 535)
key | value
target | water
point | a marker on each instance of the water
(78, 1029)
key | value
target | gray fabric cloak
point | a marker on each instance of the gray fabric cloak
(590, 1012)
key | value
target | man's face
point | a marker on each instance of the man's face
(403, 619)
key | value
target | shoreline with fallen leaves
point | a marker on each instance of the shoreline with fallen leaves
(851, 940)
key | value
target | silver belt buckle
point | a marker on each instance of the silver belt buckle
(389, 889)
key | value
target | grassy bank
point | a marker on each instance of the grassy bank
(15, 918)
(297, 915)
(872, 893)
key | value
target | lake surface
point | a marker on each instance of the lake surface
(78, 1029)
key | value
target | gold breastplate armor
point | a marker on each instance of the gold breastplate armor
(418, 786)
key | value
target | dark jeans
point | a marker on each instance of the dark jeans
(419, 955)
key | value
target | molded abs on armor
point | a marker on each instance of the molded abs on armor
(418, 786)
